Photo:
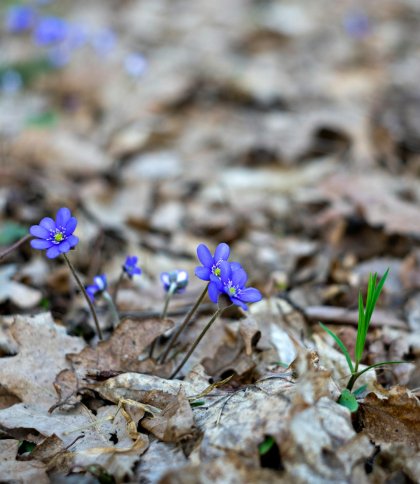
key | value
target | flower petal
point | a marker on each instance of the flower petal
(239, 277)
(225, 271)
(235, 266)
(53, 252)
(182, 277)
(164, 277)
(250, 294)
(238, 302)
(72, 240)
(41, 244)
(64, 247)
(48, 223)
(62, 217)
(39, 231)
(222, 252)
(202, 273)
(70, 225)
(213, 292)
(204, 256)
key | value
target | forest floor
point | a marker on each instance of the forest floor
(289, 130)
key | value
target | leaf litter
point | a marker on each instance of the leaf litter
(255, 125)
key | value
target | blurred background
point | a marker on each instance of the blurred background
(290, 129)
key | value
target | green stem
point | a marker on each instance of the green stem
(15, 246)
(112, 307)
(197, 341)
(168, 296)
(175, 336)
(355, 376)
(117, 288)
(82, 288)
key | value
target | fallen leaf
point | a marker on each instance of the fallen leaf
(19, 471)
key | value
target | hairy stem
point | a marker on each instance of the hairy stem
(112, 307)
(197, 341)
(168, 296)
(85, 294)
(14, 246)
(117, 288)
(175, 336)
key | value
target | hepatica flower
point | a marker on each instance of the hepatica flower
(20, 18)
(130, 266)
(174, 281)
(99, 285)
(232, 282)
(56, 237)
(51, 30)
(211, 264)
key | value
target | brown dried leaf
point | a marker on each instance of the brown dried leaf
(31, 373)
(392, 416)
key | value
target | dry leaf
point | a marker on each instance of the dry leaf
(19, 472)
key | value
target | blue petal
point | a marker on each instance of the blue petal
(164, 277)
(238, 302)
(70, 225)
(53, 252)
(225, 271)
(48, 223)
(64, 247)
(72, 240)
(222, 252)
(62, 217)
(202, 273)
(250, 295)
(204, 256)
(41, 244)
(235, 266)
(39, 231)
(213, 292)
(239, 277)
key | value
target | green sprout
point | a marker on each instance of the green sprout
(347, 398)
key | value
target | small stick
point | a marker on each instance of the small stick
(15, 246)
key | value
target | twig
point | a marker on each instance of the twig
(15, 246)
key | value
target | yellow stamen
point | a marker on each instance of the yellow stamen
(58, 237)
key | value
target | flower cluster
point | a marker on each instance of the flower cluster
(56, 237)
(225, 277)
(61, 38)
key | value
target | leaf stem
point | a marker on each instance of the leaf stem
(197, 341)
(175, 336)
(82, 288)
(14, 246)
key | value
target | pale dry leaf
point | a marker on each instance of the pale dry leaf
(19, 294)
(19, 472)
(42, 346)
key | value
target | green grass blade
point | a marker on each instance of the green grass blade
(361, 331)
(379, 364)
(341, 346)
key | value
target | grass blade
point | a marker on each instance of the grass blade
(341, 346)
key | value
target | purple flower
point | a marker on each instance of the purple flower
(135, 64)
(357, 24)
(20, 18)
(104, 41)
(55, 237)
(130, 266)
(211, 264)
(99, 285)
(232, 282)
(175, 281)
(51, 30)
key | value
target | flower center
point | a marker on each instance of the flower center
(58, 236)
(232, 290)
(216, 272)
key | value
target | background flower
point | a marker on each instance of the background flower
(56, 237)
(177, 279)
(99, 285)
(130, 266)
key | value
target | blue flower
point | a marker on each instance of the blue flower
(211, 264)
(130, 266)
(20, 18)
(232, 282)
(99, 286)
(51, 30)
(56, 237)
(176, 281)
(103, 42)
(135, 64)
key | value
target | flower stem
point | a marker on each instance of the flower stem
(82, 288)
(197, 341)
(168, 296)
(117, 288)
(15, 246)
(181, 328)
(112, 307)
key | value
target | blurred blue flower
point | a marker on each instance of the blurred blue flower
(135, 64)
(59, 55)
(232, 282)
(56, 237)
(104, 41)
(11, 82)
(174, 281)
(130, 266)
(357, 24)
(20, 18)
(99, 285)
(51, 30)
